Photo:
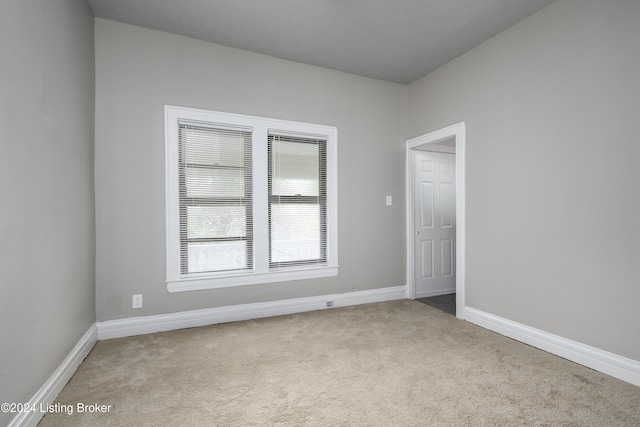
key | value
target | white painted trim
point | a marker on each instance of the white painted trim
(196, 284)
(56, 382)
(188, 319)
(458, 131)
(608, 363)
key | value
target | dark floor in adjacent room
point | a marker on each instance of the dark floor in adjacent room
(446, 303)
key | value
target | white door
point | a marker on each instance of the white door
(435, 228)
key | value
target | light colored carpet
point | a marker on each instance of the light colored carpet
(398, 363)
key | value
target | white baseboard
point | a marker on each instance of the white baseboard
(188, 319)
(56, 382)
(603, 361)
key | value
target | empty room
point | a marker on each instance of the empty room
(319, 212)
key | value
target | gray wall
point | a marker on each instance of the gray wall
(551, 107)
(138, 71)
(47, 237)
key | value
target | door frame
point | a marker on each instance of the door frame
(458, 132)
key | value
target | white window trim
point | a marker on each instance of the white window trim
(261, 126)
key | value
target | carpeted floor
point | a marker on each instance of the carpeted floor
(398, 363)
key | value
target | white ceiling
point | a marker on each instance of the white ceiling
(394, 40)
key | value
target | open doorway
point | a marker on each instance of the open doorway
(445, 303)
(436, 232)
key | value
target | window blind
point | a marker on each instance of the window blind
(297, 201)
(215, 186)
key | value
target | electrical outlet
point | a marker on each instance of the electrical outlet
(329, 304)
(136, 301)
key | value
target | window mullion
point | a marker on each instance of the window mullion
(260, 200)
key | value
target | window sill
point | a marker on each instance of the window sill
(202, 283)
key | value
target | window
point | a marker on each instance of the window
(215, 198)
(297, 201)
(249, 200)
